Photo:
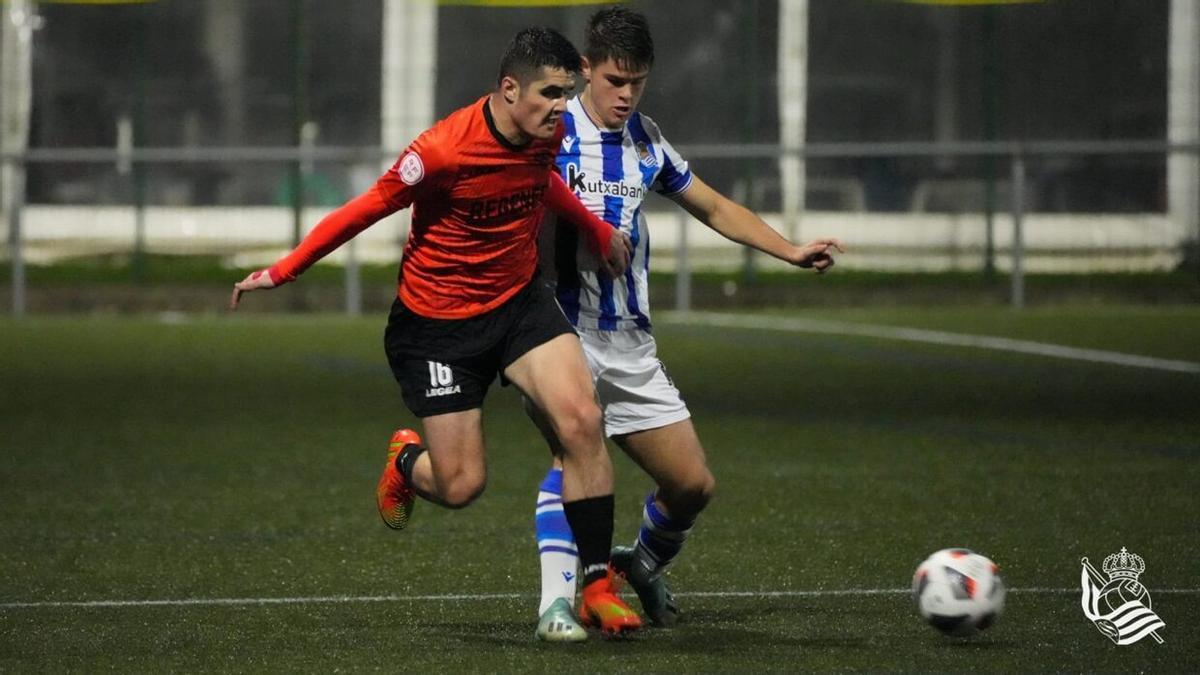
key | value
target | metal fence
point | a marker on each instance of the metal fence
(983, 223)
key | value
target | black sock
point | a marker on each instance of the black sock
(406, 458)
(591, 521)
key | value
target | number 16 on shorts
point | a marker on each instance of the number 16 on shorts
(441, 380)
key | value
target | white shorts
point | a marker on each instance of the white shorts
(633, 387)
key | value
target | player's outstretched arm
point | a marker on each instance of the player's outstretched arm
(334, 230)
(737, 223)
(612, 246)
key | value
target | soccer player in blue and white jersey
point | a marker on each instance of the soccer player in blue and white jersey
(610, 156)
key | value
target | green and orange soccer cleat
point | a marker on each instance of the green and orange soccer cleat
(393, 496)
(601, 608)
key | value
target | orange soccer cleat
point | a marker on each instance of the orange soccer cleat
(393, 496)
(600, 607)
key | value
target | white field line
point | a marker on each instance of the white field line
(796, 325)
(481, 597)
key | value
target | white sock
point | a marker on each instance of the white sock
(556, 545)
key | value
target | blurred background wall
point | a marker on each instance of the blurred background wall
(879, 83)
(221, 72)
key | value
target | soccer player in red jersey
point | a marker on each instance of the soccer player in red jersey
(469, 305)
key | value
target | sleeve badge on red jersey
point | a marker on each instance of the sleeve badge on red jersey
(411, 169)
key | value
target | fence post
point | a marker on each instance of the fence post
(13, 189)
(18, 20)
(683, 273)
(353, 280)
(792, 92)
(1018, 241)
(126, 139)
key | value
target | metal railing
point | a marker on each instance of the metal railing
(1016, 153)
(236, 154)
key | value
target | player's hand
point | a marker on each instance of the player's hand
(253, 282)
(620, 250)
(816, 254)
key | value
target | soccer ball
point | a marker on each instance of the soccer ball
(958, 592)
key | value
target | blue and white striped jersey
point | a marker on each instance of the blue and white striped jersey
(610, 172)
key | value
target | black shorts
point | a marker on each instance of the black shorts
(447, 365)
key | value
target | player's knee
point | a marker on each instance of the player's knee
(705, 489)
(694, 493)
(462, 490)
(578, 425)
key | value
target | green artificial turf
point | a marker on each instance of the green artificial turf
(227, 466)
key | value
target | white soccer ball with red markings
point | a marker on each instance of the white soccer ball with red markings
(959, 592)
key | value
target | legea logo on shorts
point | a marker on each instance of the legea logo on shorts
(441, 380)
(1119, 606)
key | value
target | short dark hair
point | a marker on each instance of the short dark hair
(535, 47)
(621, 35)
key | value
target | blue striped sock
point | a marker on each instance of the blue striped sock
(661, 537)
(556, 545)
